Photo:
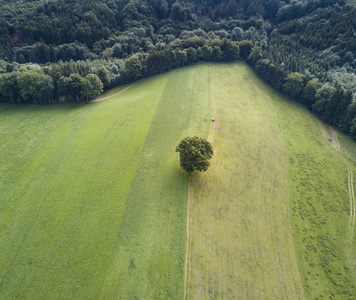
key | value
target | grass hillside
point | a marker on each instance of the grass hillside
(148, 260)
(93, 203)
(66, 172)
(274, 216)
(241, 237)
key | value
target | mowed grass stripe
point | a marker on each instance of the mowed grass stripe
(242, 246)
(66, 174)
(148, 262)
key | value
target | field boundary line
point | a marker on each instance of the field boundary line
(187, 248)
(349, 187)
(353, 209)
(351, 228)
(352, 193)
(118, 93)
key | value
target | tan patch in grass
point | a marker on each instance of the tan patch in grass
(118, 93)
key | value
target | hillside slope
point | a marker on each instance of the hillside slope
(94, 203)
(274, 216)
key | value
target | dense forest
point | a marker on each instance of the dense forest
(71, 50)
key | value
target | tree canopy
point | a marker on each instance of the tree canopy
(195, 153)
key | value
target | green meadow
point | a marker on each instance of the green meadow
(240, 232)
(274, 216)
(66, 172)
(94, 204)
(73, 178)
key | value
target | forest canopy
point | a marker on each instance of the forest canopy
(66, 50)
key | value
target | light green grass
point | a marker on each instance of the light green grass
(320, 205)
(93, 202)
(78, 180)
(241, 239)
(274, 176)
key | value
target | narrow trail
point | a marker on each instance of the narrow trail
(333, 140)
(352, 195)
(118, 93)
(351, 229)
(187, 249)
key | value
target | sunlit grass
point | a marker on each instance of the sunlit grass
(149, 260)
(93, 202)
(66, 172)
(77, 180)
(320, 204)
(241, 238)
(271, 217)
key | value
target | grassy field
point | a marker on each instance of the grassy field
(271, 217)
(322, 202)
(148, 261)
(94, 205)
(241, 238)
(67, 172)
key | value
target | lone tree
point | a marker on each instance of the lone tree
(194, 153)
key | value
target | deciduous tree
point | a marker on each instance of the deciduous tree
(294, 84)
(91, 86)
(133, 68)
(245, 49)
(194, 153)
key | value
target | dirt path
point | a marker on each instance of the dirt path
(118, 93)
(351, 229)
(188, 247)
(187, 250)
(333, 140)
(352, 195)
